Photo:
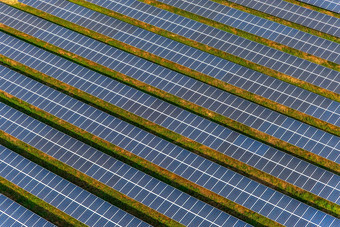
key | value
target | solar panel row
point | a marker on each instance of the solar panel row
(259, 26)
(287, 129)
(13, 214)
(296, 14)
(332, 5)
(197, 169)
(227, 42)
(129, 181)
(60, 193)
(215, 136)
(269, 87)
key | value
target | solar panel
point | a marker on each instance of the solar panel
(129, 181)
(245, 21)
(62, 194)
(13, 214)
(184, 163)
(241, 47)
(270, 122)
(255, 82)
(296, 14)
(332, 5)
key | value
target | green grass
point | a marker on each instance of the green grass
(34, 203)
(101, 190)
(156, 171)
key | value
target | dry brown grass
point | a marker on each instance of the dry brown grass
(10, 2)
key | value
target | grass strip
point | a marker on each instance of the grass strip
(315, 8)
(189, 144)
(244, 34)
(33, 203)
(108, 193)
(167, 63)
(279, 20)
(256, 134)
(90, 184)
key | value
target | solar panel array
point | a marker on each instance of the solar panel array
(259, 26)
(136, 184)
(297, 14)
(13, 214)
(216, 178)
(224, 41)
(268, 87)
(183, 122)
(270, 122)
(173, 158)
(60, 193)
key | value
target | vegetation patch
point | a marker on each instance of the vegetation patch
(33, 203)
(149, 167)
(10, 2)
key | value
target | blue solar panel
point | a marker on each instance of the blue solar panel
(245, 21)
(285, 128)
(241, 47)
(62, 194)
(13, 214)
(156, 150)
(296, 14)
(129, 181)
(332, 5)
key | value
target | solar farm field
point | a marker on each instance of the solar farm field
(169, 113)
